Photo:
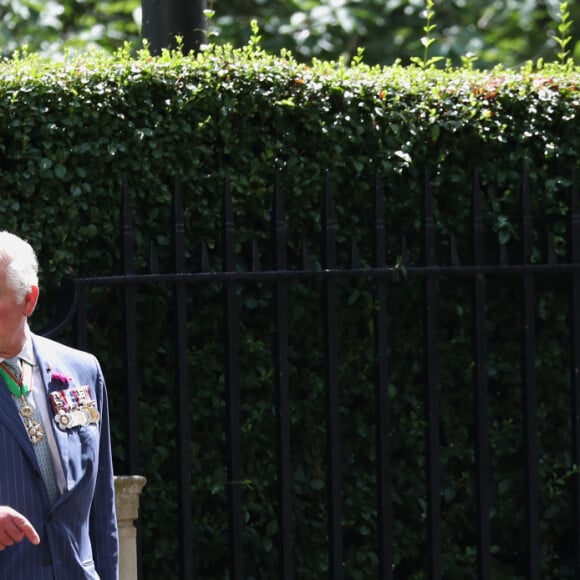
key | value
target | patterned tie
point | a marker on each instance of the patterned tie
(41, 448)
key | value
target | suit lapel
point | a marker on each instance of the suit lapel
(61, 437)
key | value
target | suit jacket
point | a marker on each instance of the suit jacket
(78, 533)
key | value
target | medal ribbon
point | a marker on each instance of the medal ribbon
(20, 388)
(15, 386)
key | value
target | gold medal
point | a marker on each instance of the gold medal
(26, 410)
(93, 414)
(35, 431)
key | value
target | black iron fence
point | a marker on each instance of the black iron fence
(523, 272)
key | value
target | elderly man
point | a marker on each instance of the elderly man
(57, 505)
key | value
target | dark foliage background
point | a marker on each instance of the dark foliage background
(71, 132)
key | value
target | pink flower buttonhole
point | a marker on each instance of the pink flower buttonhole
(60, 378)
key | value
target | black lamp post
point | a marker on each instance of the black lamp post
(163, 20)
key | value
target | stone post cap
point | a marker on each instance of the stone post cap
(127, 491)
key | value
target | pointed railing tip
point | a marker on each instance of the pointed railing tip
(355, 257)
(455, 260)
(228, 209)
(228, 230)
(256, 266)
(306, 260)
(552, 258)
(278, 209)
(126, 205)
(503, 255)
(178, 204)
(329, 206)
(153, 259)
(405, 257)
(127, 233)
(204, 262)
(379, 198)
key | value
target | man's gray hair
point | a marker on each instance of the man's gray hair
(21, 264)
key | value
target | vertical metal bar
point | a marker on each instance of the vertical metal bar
(256, 266)
(153, 259)
(384, 478)
(285, 520)
(130, 334)
(482, 464)
(530, 392)
(332, 383)
(81, 326)
(183, 394)
(232, 378)
(204, 259)
(575, 354)
(432, 380)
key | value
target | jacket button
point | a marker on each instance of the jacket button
(46, 562)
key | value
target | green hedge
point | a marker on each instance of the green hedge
(71, 132)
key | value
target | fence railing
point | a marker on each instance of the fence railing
(477, 269)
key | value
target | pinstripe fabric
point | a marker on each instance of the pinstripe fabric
(42, 452)
(78, 532)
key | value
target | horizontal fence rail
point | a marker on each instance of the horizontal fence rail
(428, 273)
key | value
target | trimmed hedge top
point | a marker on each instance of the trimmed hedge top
(72, 131)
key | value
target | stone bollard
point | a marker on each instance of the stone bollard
(127, 490)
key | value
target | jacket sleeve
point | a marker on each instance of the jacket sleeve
(103, 518)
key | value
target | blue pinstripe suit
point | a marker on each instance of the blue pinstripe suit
(78, 533)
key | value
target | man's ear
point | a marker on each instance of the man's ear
(30, 301)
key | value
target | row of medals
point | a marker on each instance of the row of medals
(69, 414)
(65, 419)
(77, 417)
